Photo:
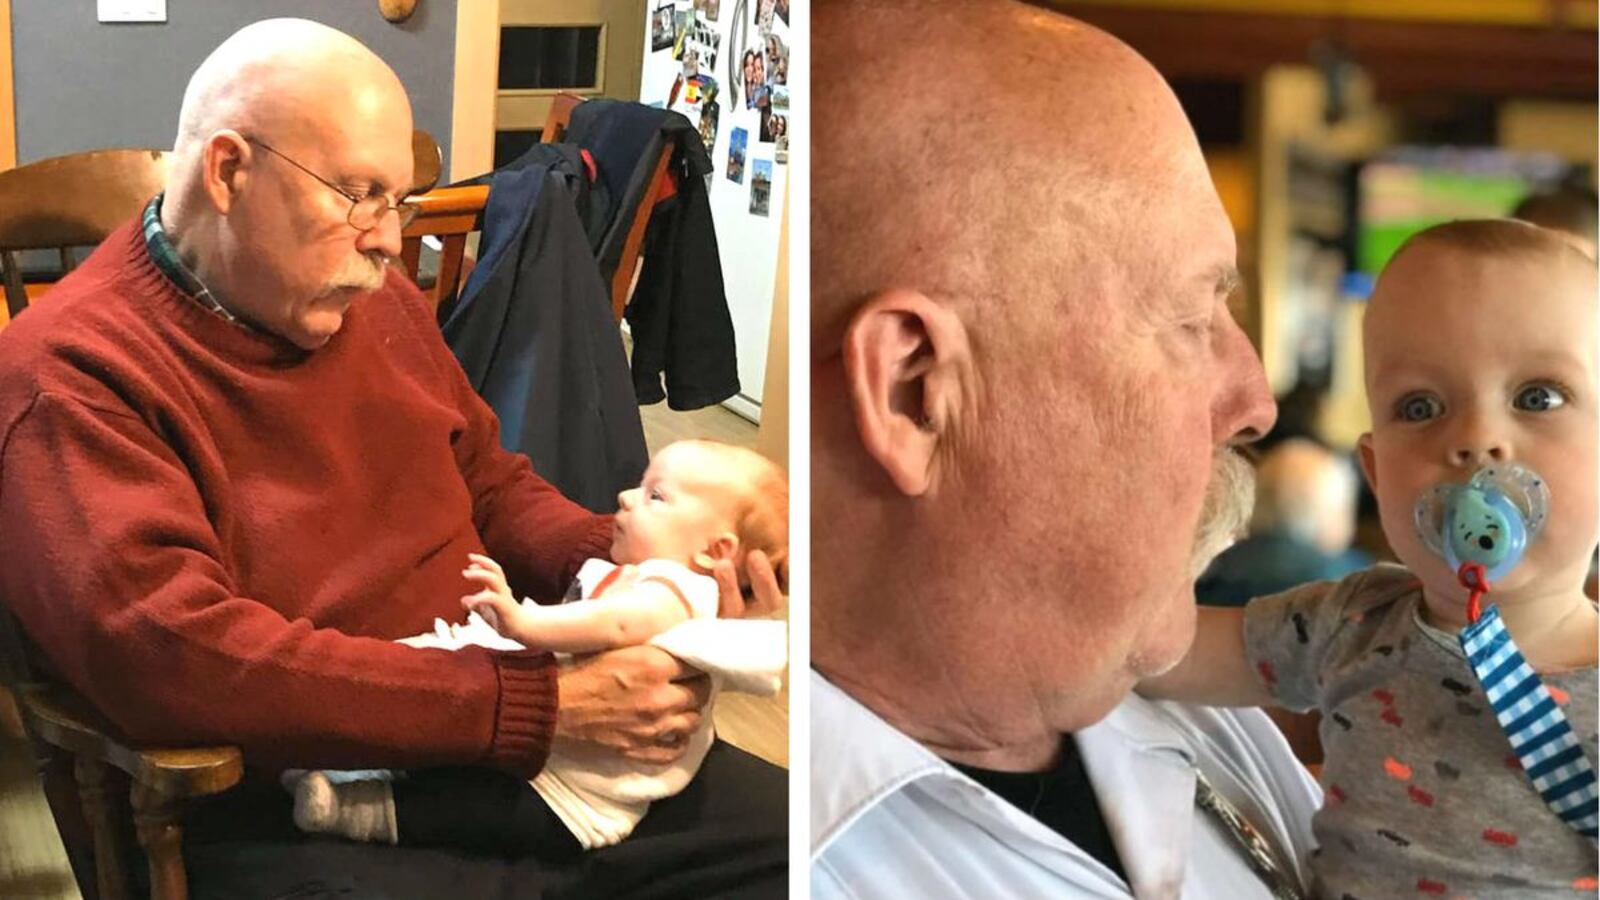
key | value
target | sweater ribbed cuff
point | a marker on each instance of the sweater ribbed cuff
(526, 719)
(595, 545)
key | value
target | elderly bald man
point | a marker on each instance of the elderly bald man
(1025, 383)
(239, 460)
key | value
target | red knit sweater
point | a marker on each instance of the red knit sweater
(215, 536)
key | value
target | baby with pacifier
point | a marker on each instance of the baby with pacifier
(1458, 691)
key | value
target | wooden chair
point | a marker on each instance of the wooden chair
(75, 201)
(60, 204)
(71, 201)
(427, 160)
(559, 116)
(450, 214)
(453, 213)
(114, 776)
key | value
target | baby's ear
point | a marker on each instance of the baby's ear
(723, 546)
(1369, 460)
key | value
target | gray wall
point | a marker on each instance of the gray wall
(81, 85)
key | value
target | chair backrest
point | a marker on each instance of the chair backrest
(71, 201)
(555, 130)
(449, 214)
(557, 119)
(77, 200)
(427, 160)
(453, 213)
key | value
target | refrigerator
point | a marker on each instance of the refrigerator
(724, 64)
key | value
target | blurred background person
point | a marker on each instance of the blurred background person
(1300, 531)
(1569, 209)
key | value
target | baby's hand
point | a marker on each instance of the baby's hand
(494, 603)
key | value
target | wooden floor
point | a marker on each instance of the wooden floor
(33, 863)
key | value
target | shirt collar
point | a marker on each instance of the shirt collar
(165, 256)
(1144, 726)
(868, 760)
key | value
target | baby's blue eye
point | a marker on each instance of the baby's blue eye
(1538, 398)
(1418, 408)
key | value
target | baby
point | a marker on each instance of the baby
(1479, 345)
(699, 502)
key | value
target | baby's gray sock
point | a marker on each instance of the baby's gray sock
(359, 810)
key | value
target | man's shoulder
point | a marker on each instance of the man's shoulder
(71, 341)
(857, 761)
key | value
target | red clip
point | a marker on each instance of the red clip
(1475, 579)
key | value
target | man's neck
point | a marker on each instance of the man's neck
(1037, 755)
(963, 746)
(185, 238)
(181, 233)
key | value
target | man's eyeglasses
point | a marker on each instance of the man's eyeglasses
(365, 212)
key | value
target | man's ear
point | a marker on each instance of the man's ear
(723, 546)
(1369, 464)
(908, 365)
(222, 169)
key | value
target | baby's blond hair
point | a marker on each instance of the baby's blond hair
(761, 518)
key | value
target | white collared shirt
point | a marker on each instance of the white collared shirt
(890, 819)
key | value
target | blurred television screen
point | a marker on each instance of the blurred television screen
(1408, 189)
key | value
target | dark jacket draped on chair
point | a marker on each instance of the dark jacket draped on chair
(534, 332)
(679, 312)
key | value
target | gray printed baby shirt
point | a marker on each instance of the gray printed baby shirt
(1423, 796)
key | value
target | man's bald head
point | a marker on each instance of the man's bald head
(282, 74)
(284, 128)
(986, 140)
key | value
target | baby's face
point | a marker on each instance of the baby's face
(687, 500)
(1474, 359)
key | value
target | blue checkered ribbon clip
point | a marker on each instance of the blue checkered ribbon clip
(1543, 741)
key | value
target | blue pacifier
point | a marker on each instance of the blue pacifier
(1489, 521)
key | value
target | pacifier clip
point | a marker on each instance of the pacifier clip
(1544, 744)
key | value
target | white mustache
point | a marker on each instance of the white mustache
(1226, 511)
(365, 273)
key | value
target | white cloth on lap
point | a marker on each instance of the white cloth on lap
(598, 794)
